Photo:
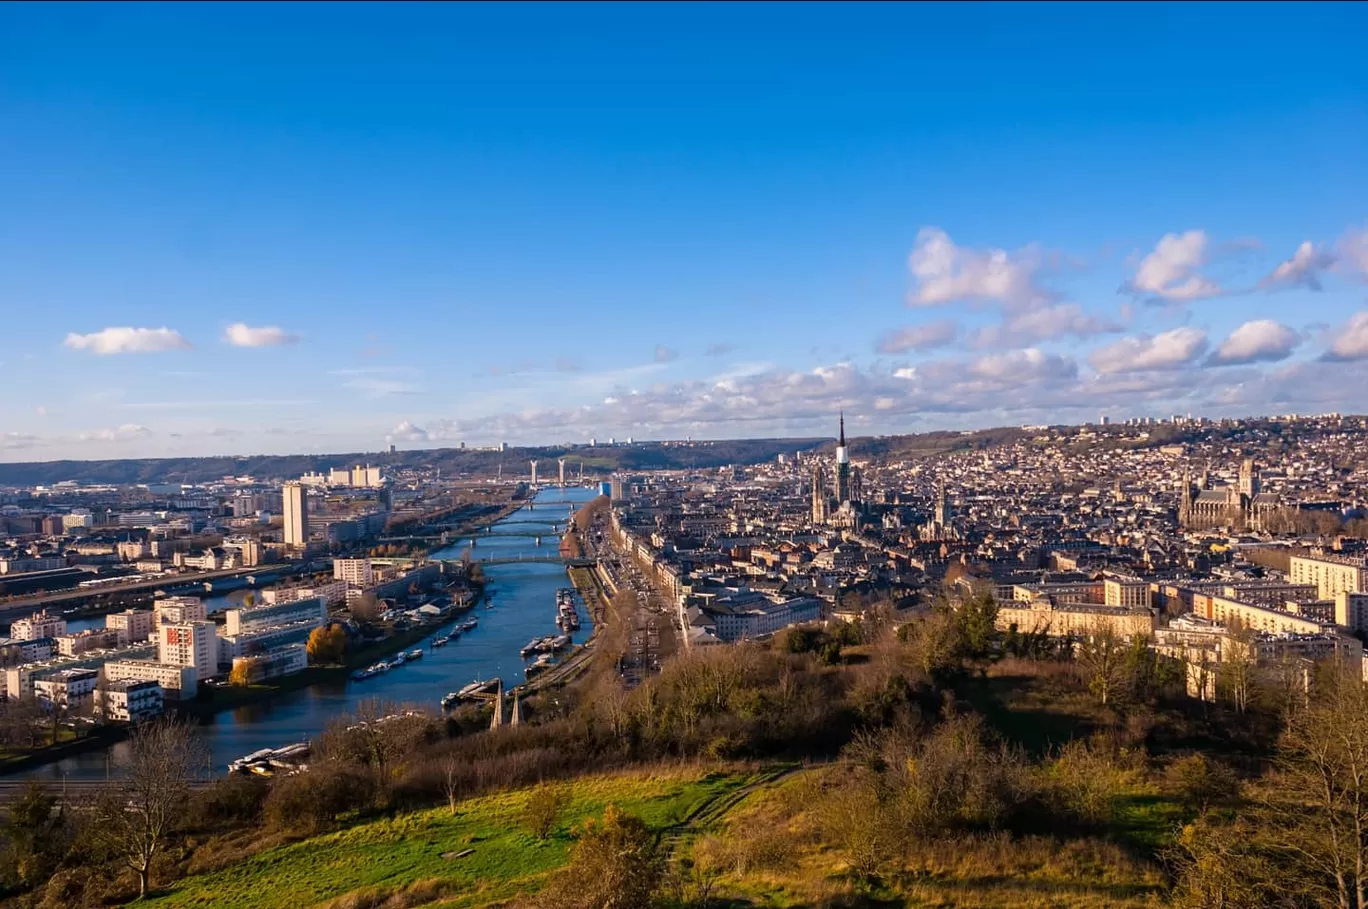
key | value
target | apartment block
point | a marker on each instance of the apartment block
(1330, 573)
(192, 644)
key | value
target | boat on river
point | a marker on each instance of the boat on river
(268, 760)
(540, 664)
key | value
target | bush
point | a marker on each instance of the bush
(311, 802)
(615, 865)
(543, 808)
(232, 801)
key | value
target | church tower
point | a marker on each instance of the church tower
(819, 495)
(1185, 503)
(842, 467)
(1249, 479)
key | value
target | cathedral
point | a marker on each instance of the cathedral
(1241, 506)
(845, 508)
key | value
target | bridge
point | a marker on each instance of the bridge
(529, 560)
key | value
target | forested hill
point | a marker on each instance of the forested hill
(597, 461)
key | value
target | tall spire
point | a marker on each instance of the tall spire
(842, 439)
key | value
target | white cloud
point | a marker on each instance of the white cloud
(16, 441)
(373, 387)
(408, 432)
(664, 354)
(1302, 270)
(945, 273)
(128, 340)
(1259, 341)
(1047, 323)
(239, 334)
(1353, 251)
(1351, 339)
(1029, 365)
(124, 433)
(1170, 272)
(918, 337)
(1168, 350)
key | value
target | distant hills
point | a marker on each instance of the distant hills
(597, 461)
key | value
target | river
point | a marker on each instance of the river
(523, 607)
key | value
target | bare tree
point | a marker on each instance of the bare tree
(1238, 663)
(1102, 657)
(164, 760)
(451, 782)
(1319, 813)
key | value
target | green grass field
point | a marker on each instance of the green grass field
(391, 854)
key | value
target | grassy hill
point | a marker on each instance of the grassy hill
(759, 822)
(415, 853)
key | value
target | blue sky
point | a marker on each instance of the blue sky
(314, 228)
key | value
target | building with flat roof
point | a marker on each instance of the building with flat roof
(1330, 573)
(38, 625)
(131, 701)
(296, 508)
(192, 644)
(177, 682)
(68, 688)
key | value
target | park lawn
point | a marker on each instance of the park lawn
(393, 853)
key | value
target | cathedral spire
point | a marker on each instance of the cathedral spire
(841, 442)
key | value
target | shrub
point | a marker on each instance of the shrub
(543, 808)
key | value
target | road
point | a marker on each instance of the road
(24, 605)
(76, 792)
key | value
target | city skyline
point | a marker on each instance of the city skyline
(479, 232)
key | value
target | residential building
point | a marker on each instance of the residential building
(191, 644)
(296, 508)
(84, 641)
(331, 593)
(175, 610)
(1131, 593)
(1073, 619)
(131, 700)
(1330, 573)
(273, 663)
(356, 572)
(68, 688)
(23, 566)
(38, 625)
(133, 625)
(239, 621)
(178, 682)
(1351, 610)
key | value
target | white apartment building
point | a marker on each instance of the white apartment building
(356, 572)
(1330, 573)
(193, 644)
(175, 610)
(38, 625)
(241, 621)
(132, 700)
(69, 688)
(296, 508)
(176, 681)
(70, 645)
(332, 592)
(133, 625)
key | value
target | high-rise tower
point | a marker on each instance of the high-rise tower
(296, 507)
